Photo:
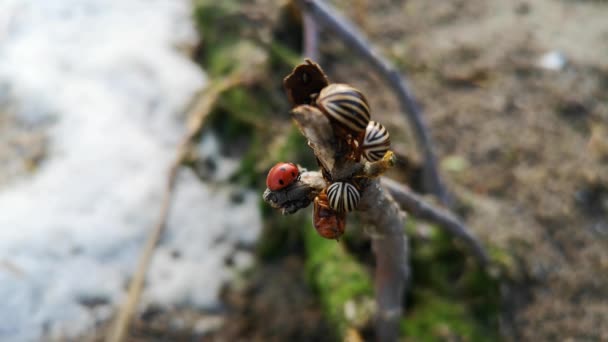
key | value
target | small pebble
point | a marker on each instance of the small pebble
(552, 60)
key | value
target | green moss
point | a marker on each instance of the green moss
(452, 297)
(244, 105)
(281, 235)
(227, 42)
(296, 149)
(239, 119)
(338, 278)
(504, 261)
(438, 318)
(219, 35)
(281, 54)
(247, 175)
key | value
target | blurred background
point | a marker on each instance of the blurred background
(97, 95)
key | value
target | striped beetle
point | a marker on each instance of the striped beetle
(376, 141)
(345, 105)
(343, 196)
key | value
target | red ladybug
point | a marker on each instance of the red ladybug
(281, 175)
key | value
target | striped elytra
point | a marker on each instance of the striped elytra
(376, 142)
(345, 105)
(343, 196)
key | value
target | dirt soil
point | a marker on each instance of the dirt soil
(523, 148)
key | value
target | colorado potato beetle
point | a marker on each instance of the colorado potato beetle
(345, 105)
(343, 196)
(281, 175)
(329, 223)
(376, 141)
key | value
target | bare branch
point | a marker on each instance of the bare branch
(315, 126)
(311, 37)
(329, 18)
(415, 205)
(297, 196)
(390, 246)
(311, 183)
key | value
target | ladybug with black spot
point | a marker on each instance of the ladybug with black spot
(282, 175)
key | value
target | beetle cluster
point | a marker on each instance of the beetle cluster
(358, 138)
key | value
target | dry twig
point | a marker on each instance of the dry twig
(391, 249)
(196, 120)
(311, 37)
(300, 195)
(328, 17)
(415, 205)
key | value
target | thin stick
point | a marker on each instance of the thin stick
(391, 249)
(330, 18)
(312, 182)
(311, 37)
(415, 205)
(198, 115)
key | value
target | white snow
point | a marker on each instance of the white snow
(108, 75)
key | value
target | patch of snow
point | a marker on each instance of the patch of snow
(107, 74)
